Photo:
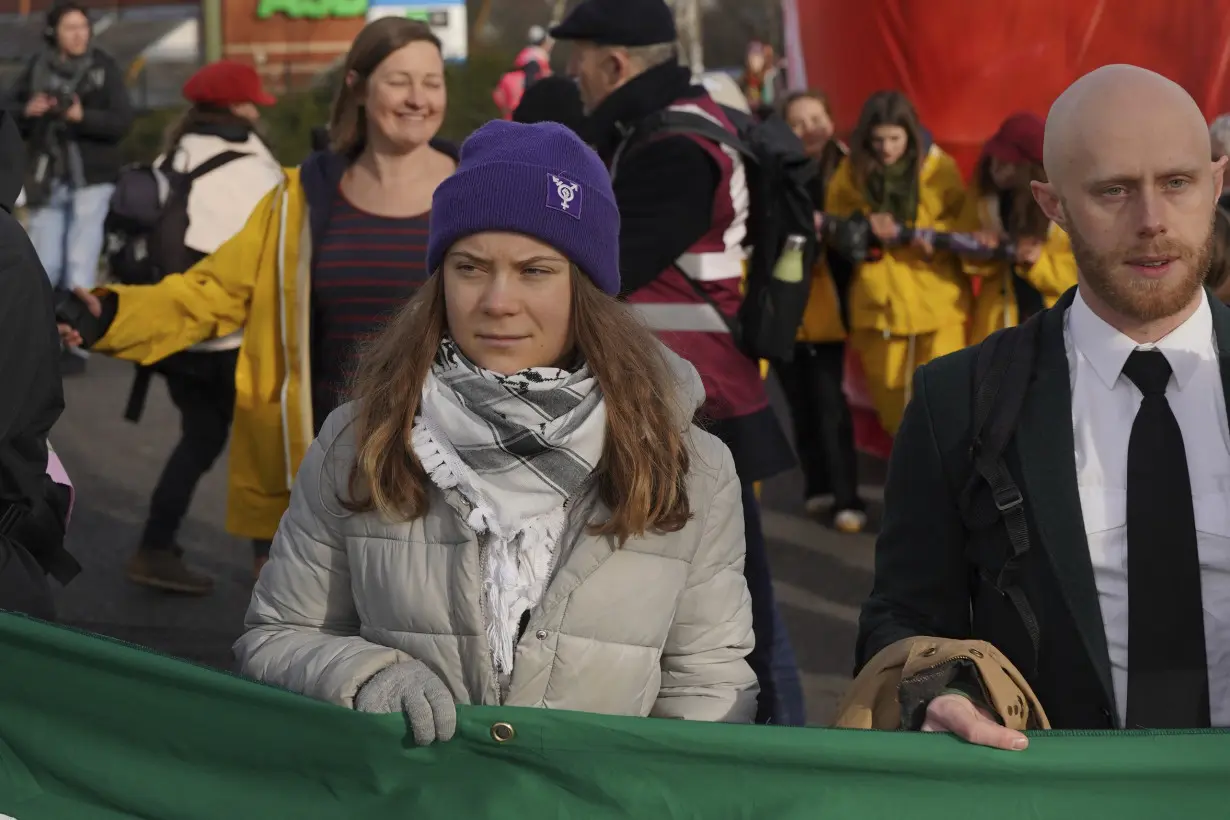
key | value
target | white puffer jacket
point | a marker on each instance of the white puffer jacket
(659, 626)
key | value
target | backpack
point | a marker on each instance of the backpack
(1002, 374)
(148, 219)
(779, 175)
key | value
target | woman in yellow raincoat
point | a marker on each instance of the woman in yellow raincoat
(319, 264)
(911, 304)
(1000, 208)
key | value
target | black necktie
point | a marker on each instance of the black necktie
(1168, 676)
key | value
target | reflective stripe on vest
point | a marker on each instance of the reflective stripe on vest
(699, 318)
(712, 267)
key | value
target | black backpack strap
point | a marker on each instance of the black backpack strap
(1001, 378)
(214, 163)
(671, 121)
(138, 393)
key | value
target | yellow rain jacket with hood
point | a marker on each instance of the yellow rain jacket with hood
(906, 309)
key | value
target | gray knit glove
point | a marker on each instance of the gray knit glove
(414, 689)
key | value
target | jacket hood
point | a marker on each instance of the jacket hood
(689, 389)
(12, 162)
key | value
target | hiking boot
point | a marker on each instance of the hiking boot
(165, 570)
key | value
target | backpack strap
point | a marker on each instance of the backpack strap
(673, 121)
(214, 163)
(1001, 380)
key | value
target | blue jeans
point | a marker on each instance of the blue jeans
(773, 660)
(67, 233)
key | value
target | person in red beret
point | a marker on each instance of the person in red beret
(226, 98)
(1039, 266)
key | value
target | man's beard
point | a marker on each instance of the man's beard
(1136, 297)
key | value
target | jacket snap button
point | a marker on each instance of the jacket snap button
(503, 732)
(928, 652)
(541, 634)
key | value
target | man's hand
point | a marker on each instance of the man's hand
(1028, 252)
(75, 112)
(959, 715)
(39, 105)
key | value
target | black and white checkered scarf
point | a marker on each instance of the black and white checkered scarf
(511, 449)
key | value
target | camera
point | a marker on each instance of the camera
(63, 96)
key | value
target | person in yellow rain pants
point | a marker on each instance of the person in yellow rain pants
(910, 305)
(1000, 208)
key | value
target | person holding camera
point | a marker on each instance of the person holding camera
(72, 109)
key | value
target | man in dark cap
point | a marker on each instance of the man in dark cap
(683, 204)
(31, 400)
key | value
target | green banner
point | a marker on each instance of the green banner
(91, 729)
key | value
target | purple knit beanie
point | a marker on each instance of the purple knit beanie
(539, 180)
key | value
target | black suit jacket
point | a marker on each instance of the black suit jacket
(926, 583)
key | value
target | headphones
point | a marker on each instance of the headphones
(54, 16)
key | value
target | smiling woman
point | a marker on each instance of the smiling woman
(517, 508)
(320, 265)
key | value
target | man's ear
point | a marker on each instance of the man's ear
(1048, 200)
(619, 66)
(1219, 177)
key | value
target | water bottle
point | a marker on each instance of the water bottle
(789, 267)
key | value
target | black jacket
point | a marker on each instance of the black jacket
(32, 397)
(927, 579)
(666, 188)
(107, 116)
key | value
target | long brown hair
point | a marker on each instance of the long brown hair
(643, 470)
(1026, 218)
(377, 40)
(884, 108)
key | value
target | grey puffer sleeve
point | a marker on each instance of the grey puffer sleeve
(704, 672)
(302, 626)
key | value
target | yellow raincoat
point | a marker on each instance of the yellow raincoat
(995, 305)
(905, 309)
(257, 281)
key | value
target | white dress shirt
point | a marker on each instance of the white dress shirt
(1104, 405)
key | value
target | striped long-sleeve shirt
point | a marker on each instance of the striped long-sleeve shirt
(366, 268)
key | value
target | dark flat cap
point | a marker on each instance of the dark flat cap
(619, 23)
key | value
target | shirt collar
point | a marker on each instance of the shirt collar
(1107, 350)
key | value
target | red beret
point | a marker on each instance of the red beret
(226, 83)
(1018, 140)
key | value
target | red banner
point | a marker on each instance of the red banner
(967, 64)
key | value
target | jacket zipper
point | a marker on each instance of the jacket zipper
(530, 625)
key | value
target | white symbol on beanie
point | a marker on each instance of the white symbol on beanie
(565, 196)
